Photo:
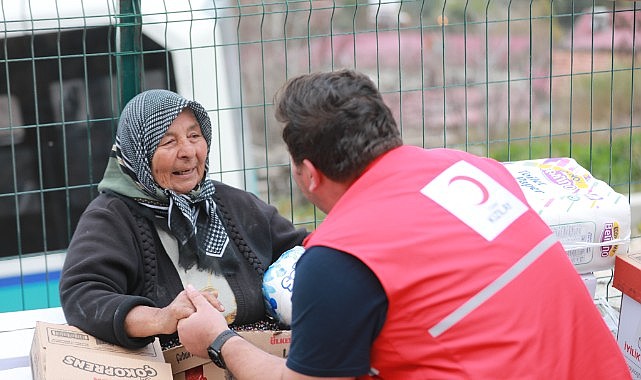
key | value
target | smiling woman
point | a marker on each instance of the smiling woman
(179, 161)
(160, 224)
(59, 105)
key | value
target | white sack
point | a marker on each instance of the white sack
(591, 220)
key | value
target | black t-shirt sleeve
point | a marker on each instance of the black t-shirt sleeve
(338, 309)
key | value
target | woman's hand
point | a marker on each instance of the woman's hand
(143, 321)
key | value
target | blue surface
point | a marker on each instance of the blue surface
(28, 292)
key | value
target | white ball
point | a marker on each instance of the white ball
(278, 281)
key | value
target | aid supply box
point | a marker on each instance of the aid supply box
(627, 279)
(185, 366)
(591, 220)
(65, 352)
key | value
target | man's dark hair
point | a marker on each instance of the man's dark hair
(337, 120)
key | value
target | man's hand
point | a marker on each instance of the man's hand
(197, 331)
(143, 321)
(182, 307)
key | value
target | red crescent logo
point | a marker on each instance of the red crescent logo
(486, 194)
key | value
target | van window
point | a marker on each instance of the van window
(61, 92)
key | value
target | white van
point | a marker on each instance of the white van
(59, 105)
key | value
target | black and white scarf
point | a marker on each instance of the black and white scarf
(191, 217)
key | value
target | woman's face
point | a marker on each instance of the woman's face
(179, 161)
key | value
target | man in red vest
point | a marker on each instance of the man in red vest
(429, 265)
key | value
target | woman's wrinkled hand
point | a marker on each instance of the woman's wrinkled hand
(143, 321)
(182, 307)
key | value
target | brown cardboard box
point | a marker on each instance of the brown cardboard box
(62, 352)
(627, 275)
(627, 278)
(185, 366)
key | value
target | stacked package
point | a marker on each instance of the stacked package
(591, 220)
(278, 283)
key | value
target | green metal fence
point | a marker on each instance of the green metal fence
(510, 80)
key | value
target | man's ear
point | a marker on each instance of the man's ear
(314, 176)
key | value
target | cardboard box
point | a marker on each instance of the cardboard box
(627, 275)
(65, 352)
(627, 279)
(185, 366)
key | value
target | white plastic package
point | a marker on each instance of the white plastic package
(591, 220)
(278, 281)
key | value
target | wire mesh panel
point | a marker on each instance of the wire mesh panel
(67, 73)
(511, 80)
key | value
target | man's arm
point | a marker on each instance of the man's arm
(243, 359)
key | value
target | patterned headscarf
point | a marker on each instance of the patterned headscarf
(191, 217)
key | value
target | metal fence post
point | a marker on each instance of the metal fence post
(129, 60)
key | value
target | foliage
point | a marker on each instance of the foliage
(617, 162)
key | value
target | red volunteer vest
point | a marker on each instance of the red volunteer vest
(477, 284)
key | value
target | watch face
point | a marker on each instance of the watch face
(215, 357)
(214, 349)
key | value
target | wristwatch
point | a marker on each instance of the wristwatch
(214, 349)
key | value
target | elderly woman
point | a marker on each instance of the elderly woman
(159, 224)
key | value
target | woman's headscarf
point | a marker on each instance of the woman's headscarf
(191, 217)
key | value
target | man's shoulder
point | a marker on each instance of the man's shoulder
(320, 255)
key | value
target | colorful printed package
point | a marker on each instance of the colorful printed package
(591, 220)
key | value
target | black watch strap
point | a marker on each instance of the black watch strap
(215, 348)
